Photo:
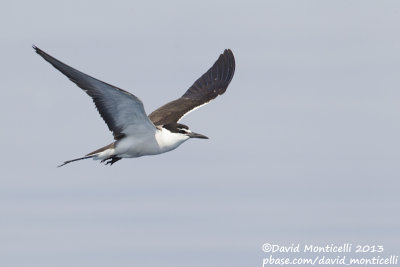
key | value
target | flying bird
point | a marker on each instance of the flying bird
(135, 133)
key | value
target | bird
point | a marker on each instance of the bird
(135, 133)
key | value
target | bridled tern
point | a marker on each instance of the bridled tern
(135, 133)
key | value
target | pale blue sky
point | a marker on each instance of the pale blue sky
(304, 146)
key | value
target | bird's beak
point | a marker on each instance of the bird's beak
(196, 135)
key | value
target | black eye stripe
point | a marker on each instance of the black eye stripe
(177, 128)
(182, 131)
(182, 127)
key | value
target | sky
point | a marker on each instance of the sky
(304, 145)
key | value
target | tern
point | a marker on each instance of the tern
(135, 133)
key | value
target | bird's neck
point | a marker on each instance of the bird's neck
(168, 140)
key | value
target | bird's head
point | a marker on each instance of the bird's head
(183, 130)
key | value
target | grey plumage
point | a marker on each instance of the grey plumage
(119, 109)
(137, 134)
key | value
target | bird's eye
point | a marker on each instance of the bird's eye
(182, 131)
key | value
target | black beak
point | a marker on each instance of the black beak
(196, 135)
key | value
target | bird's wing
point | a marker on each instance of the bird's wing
(123, 112)
(213, 83)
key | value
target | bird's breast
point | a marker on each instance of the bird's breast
(162, 141)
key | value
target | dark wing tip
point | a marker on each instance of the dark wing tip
(46, 56)
(228, 54)
(211, 84)
(229, 63)
(216, 80)
(37, 49)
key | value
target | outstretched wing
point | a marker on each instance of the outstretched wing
(213, 83)
(123, 112)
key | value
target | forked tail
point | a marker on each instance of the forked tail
(72, 160)
(104, 153)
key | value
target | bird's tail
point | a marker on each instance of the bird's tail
(97, 154)
(72, 160)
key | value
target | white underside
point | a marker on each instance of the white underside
(147, 144)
